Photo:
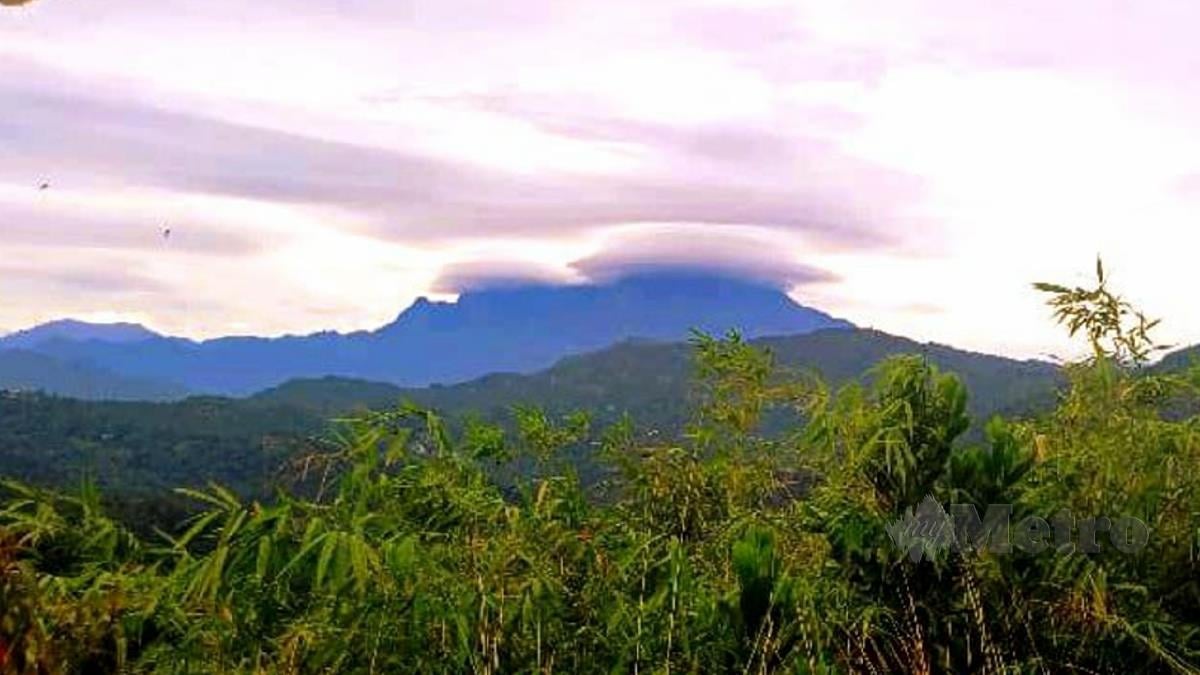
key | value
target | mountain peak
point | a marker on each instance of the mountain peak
(511, 328)
(519, 327)
(77, 331)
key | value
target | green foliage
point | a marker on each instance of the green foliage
(1115, 329)
(410, 544)
(139, 450)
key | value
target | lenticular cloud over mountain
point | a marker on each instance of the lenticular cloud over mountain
(750, 253)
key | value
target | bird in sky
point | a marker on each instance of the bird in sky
(44, 186)
(166, 233)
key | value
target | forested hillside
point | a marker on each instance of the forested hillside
(141, 447)
(651, 381)
(148, 448)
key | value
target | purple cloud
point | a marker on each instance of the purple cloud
(78, 281)
(708, 174)
(485, 274)
(772, 40)
(1189, 186)
(45, 225)
(755, 255)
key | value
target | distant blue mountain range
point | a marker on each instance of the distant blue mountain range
(79, 331)
(511, 329)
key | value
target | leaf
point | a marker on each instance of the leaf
(326, 557)
(263, 560)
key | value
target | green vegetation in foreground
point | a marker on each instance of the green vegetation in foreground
(725, 551)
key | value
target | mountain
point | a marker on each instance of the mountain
(512, 329)
(1179, 360)
(77, 331)
(23, 370)
(651, 380)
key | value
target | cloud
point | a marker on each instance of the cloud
(48, 220)
(743, 252)
(86, 277)
(739, 28)
(777, 42)
(489, 274)
(765, 255)
(713, 173)
(90, 139)
(735, 172)
(1189, 186)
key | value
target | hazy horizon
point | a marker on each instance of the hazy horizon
(912, 167)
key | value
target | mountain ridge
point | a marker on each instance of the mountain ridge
(25, 370)
(77, 331)
(519, 329)
(635, 376)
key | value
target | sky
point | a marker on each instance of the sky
(913, 166)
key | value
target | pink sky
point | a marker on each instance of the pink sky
(912, 166)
